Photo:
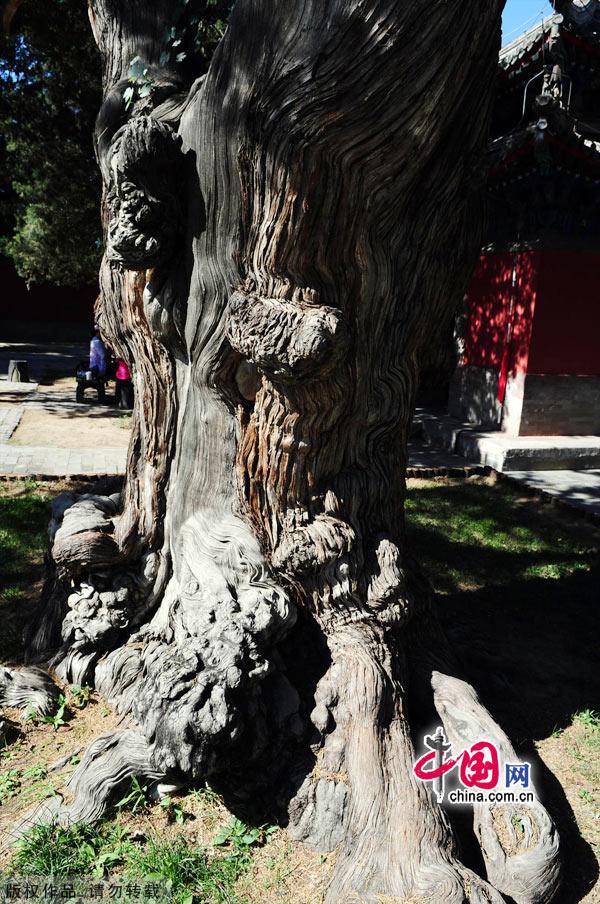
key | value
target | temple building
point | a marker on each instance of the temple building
(530, 334)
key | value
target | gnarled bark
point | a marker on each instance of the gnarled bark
(283, 260)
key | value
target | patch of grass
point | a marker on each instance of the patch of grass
(472, 534)
(516, 583)
(10, 782)
(35, 772)
(173, 810)
(58, 718)
(136, 798)
(50, 850)
(205, 795)
(586, 752)
(191, 874)
(590, 719)
(79, 695)
(29, 783)
(24, 517)
(10, 753)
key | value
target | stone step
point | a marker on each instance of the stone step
(503, 452)
(13, 387)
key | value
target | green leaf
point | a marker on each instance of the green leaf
(136, 68)
(222, 835)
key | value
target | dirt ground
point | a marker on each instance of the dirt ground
(51, 417)
(71, 429)
(67, 385)
(74, 427)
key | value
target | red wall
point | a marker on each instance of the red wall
(500, 315)
(488, 302)
(566, 329)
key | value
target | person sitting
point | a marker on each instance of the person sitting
(93, 372)
(97, 354)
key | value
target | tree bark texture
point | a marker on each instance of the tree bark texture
(285, 238)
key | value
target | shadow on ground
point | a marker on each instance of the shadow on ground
(47, 362)
(82, 412)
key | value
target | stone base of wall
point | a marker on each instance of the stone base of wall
(560, 405)
(534, 404)
(473, 397)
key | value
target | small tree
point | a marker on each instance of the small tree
(283, 237)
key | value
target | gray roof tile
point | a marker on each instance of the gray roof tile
(522, 46)
(581, 14)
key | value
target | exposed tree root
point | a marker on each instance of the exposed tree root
(395, 842)
(28, 689)
(99, 781)
(519, 842)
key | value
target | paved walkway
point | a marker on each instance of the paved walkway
(53, 401)
(29, 461)
(505, 452)
(577, 489)
(42, 461)
(18, 460)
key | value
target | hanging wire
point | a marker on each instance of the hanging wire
(547, 9)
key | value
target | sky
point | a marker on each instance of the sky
(519, 15)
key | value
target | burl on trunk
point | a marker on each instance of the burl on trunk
(284, 237)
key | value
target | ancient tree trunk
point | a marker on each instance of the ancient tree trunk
(284, 237)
